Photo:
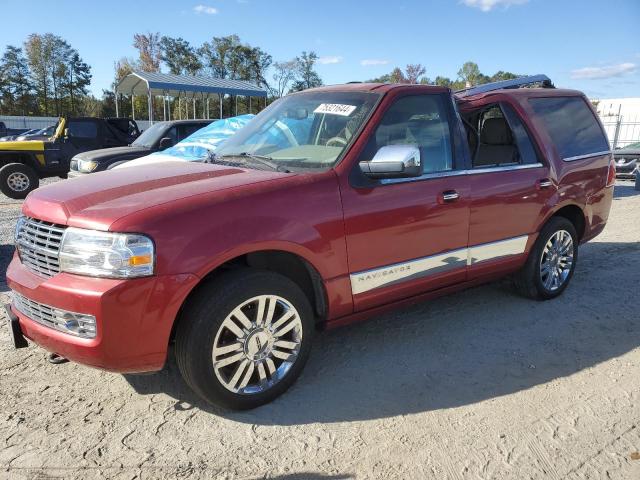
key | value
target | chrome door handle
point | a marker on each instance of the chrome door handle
(450, 196)
(544, 183)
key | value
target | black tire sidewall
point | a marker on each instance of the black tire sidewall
(7, 170)
(554, 225)
(198, 327)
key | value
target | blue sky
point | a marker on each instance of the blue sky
(590, 45)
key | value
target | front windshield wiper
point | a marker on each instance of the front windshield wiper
(263, 159)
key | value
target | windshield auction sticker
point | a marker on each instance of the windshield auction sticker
(335, 109)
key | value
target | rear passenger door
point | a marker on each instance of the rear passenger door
(509, 187)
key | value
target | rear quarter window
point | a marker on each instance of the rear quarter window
(571, 125)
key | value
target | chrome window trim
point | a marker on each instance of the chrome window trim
(374, 278)
(455, 173)
(587, 155)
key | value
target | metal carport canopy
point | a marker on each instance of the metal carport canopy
(145, 83)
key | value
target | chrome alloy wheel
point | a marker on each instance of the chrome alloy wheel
(18, 182)
(557, 260)
(257, 344)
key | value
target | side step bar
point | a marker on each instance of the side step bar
(514, 83)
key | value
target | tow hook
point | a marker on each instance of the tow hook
(56, 359)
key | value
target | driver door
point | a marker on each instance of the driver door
(406, 236)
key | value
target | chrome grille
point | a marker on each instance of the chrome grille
(39, 312)
(38, 243)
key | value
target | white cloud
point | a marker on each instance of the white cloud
(330, 59)
(373, 61)
(488, 5)
(205, 9)
(591, 73)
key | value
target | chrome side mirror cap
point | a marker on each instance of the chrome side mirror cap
(394, 161)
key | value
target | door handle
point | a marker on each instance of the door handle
(449, 196)
(544, 183)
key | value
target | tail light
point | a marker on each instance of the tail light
(611, 175)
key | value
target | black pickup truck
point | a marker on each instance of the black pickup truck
(23, 164)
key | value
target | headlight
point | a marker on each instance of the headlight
(106, 254)
(86, 166)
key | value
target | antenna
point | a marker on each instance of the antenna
(514, 83)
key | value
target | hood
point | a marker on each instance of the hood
(113, 152)
(97, 201)
(149, 159)
(25, 145)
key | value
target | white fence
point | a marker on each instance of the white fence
(28, 123)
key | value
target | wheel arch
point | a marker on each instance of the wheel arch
(575, 214)
(26, 158)
(289, 264)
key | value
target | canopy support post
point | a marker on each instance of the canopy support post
(164, 107)
(250, 105)
(207, 107)
(220, 95)
(236, 99)
(117, 111)
(150, 104)
(169, 107)
(133, 106)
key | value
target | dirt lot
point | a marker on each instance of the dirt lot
(482, 384)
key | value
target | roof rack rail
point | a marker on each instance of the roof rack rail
(514, 83)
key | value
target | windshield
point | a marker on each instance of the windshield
(304, 130)
(150, 136)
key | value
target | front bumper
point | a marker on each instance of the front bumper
(134, 318)
(75, 174)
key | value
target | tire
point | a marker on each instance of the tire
(17, 180)
(204, 324)
(532, 281)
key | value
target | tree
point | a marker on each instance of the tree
(77, 80)
(39, 56)
(179, 56)
(414, 73)
(15, 81)
(470, 74)
(216, 54)
(501, 75)
(307, 76)
(284, 75)
(148, 46)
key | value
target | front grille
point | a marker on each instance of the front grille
(38, 243)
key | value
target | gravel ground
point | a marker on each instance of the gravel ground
(481, 384)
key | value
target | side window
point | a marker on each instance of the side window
(185, 130)
(498, 137)
(420, 120)
(172, 134)
(526, 150)
(572, 125)
(82, 129)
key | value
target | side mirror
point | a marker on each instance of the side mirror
(165, 143)
(66, 133)
(394, 161)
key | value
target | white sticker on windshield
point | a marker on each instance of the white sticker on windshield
(335, 109)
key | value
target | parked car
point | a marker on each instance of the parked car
(157, 137)
(13, 136)
(332, 205)
(3, 129)
(197, 146)
(37, 134)
(23, 164)
(627, 161)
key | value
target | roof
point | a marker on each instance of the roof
(141, 83)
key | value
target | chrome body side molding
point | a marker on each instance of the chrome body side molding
(588, 155)
(367, 280)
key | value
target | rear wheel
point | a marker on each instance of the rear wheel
(244, 338)
(551, 262)
(17, 180)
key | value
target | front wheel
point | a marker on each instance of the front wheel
(551, 262)
(244, 338)
(17, 180)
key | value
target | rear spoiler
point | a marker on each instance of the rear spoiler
(543, 80)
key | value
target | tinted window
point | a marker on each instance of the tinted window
(419, 120)
(185, 130)
(526, 149)
(571, 124)
(82, 129)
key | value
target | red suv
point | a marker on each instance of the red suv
(332, 205)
